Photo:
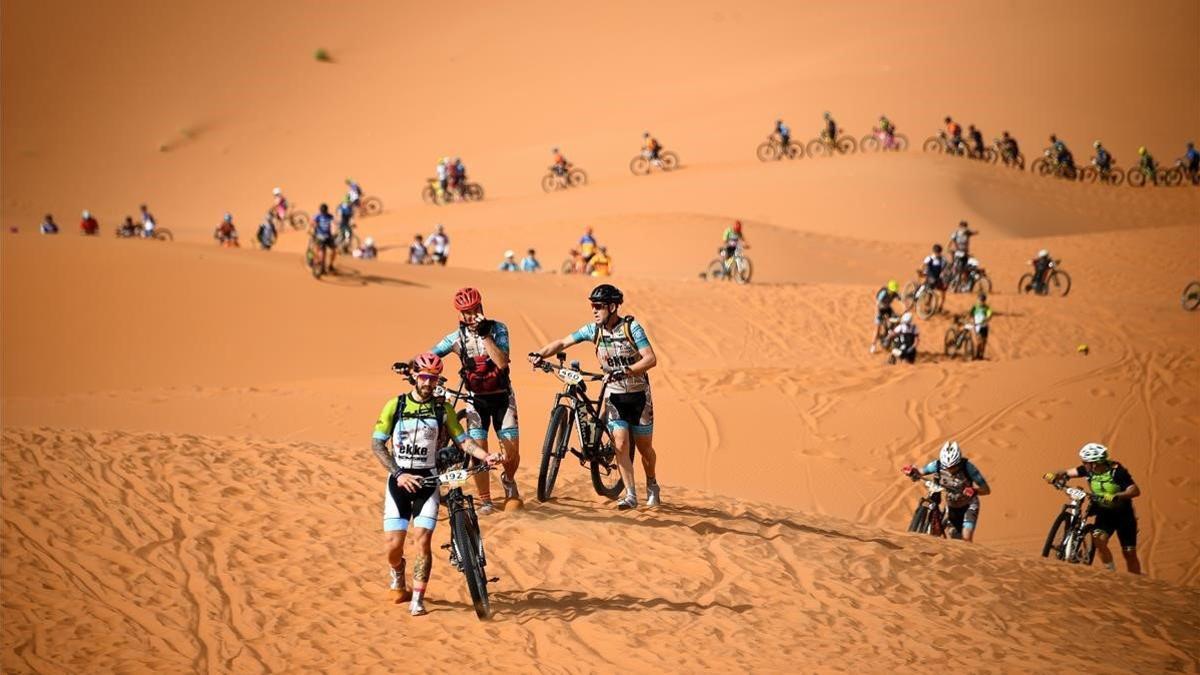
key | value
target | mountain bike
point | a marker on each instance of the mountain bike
(314, 258)
(1000, 151)
(1070, 537)
(1048, 165)
(878, 140)
(572, 177)
(573, 408)
(466, 541)
(641, 164)
(773, 148)
(736, 267)
(368, 206)
(942, 143)
(347, 240)
(926, 298)
(824, 145)
(928, 517)
(1138, 176)
(298, 219)
(1058, 282)
(1191, 296)
(960, 340)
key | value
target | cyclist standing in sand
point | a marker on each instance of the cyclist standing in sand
(418, 425)
(625, 355)
(1112, 493)
(482, 347)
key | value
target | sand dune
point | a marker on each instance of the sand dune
(187, 484)
(185, 552)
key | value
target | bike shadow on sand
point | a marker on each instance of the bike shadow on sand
(547, 604)
(347, 276)
(710, 521)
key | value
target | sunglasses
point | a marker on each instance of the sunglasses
(427, 377)
(599, 305)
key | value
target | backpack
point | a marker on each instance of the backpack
(481, 373)
(966, 474)
(439, 415)
(626, 325)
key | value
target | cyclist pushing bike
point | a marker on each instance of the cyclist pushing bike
(482, 347)
(625, 356)
(962, 483)
(418, 425)
(1112, 493)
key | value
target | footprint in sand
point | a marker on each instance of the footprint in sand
(1101, 392)
(1038, 415)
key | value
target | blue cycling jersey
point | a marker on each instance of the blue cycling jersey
(323, 225)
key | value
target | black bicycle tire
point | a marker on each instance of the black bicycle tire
(766, 152)
(918, 517)
(717, 266)
(1191, 296)
(577, 178)
(1059, 522)
(1057, 274)
(466, 544)
(738, 276)
(639, 166)
(1024, 284)
(371, 206)
(598, 480)
(548, 469)
(549, 182)
(669, 161)
(950, 342)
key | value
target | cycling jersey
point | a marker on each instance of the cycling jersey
(980, 313)
(954, 130)
(530, 264)
(346, 211)
(323, 226)
(417, 435)
(652, 144)
(601, 265)
(617, 347)
(472, 346)
(730, 237)
(1107, 483)
(962, 239)
(1193, 159)
(508, 266)
(954, 482)
(933, 266)
(783, 130)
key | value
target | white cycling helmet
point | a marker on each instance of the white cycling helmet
(1093, 452)
(86, 214)
(509, 254)
(276, 192)
(906, 317)
(1043, 253)
(370, 241)
(950, 454)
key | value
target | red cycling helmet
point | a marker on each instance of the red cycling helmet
(428, 362)
(737, 226)
(467, 298)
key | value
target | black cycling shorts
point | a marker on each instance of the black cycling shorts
(402, 508)
(1120, 520)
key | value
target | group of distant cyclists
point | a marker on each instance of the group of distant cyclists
(413, 426)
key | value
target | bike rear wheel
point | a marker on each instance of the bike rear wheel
(932, 144)
(371, 206)
(846, 145)
(473, 191)
(549, 182)
(982, 284)
(817, 147)
(869, 143)
(465, 534)
(966, 346)
(554, 448)
(669, 161)
(577, 178)
(298, 220)
(1025, 283)
(568, 266)
(603, 470)
(163, 234)
(639, 166)
(1191, 296)
(715, 270)
(1135, 177)
(766, 151)
(429, 195)
(1059, 283)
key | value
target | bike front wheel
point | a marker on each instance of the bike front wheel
(920, 520)
(577, 178)
(715, 270)
(554, 448)
(766, 151)
(669, 160)
(549, 182)
(1059, 283)
(298, 220)
(163, 234)
(1057, 537)
(467, 545)
(742, 270)
(639, 166)
(983, 284)
(1191, 296)
(932, 144)
(606, 479)
(371, 206)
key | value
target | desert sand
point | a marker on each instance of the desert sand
(187, 484)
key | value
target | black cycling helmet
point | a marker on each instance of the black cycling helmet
(962, 223)
(324, 208)
(608, 294)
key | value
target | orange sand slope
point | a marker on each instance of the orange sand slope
(181, 553)
(186, 480)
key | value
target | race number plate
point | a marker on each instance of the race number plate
(1075, 493)
(453, 477)
(569, 376)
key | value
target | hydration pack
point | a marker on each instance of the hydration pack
(481, 373)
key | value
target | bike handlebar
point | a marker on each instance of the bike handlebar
(545, 366)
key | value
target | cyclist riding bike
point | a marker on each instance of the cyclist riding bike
(279, 204)
(1191, 159)
(650, 148)
(954, 134)
(1009, 148)
(731, 239)
(321, 236)
(1103, 160)
(601, 263)
(979, 316)
(1112, 494)
(354, 192)
(905, 337)
(884, 298)
(625, 355)
(1061, 155)
(889, 132)
(88, 224)
(1041, 271)
(960, 243)
(830, 132)
(785, 134)
(976, 136)
(1147, 164)
(148, 222)
(961, 483)
(417, 425)
(482, 347)
(560, 164)
(48, 225)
